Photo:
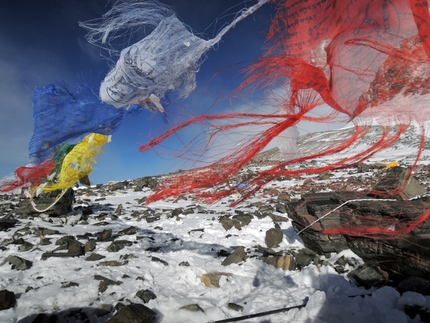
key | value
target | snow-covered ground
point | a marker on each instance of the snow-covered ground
(189, 243)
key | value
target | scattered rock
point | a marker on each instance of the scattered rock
(273, 237)
(305, 257)
(236, 257)
(118, 245)
(94, 257)
(212, 279)
(235, 307)
(7, 299)
(192, 308)
(134, 313)
(156, 259)
(284, 197)
(146, 295)
(105, 282)
(105, 235)
(228, 223)
(368, 276)
(113, 263)
(17, 263)
(284, 262)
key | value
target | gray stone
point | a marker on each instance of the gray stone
(394, 181)
(17, 263)
(26, 246)
(368, 276)
(236, 257)
(119, 210)
(228, 223)
(243, 219)
(156, 259)
(118, 245)
(281, 208)
(192, 308)
(90, 245)
(7, 299)
(284, 262)
(69, 284)
(113, 263)
(235, 307)
(105, 282)
(274, 237)
(103, 310)
(212, 279)
(128, 231)
(285, 197)
(146, 295)
(134, 313)
(94, 257)
(305, 257)
(105, 235)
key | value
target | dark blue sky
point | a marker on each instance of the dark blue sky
(41, 42)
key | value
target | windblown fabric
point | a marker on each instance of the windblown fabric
(78, 162)
(62, 115)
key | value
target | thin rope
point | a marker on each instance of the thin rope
(49, 207)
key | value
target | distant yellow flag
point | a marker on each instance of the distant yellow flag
(78, 162)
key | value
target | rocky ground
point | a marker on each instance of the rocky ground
(108, 257)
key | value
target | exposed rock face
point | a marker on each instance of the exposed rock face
(399, 256)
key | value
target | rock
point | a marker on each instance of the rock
(90, 245)
(113, 263)
(414, 284)
(119, 210)
(394, 180)
(192, 308)
(146, 295)
(212, 279)
(285, 197)
(175, 212)
(305, 257)
(140, 183)
(228, 223)
(103, 309)
(105, 235)
(17, 263)
(368, 276)
(235, 307)
(283, 262)
(236, 257)
(128, 231)
(281, 208)
(156, 259)
(69, 284)
(134, 313)
(273, 238)
(74, 248)
(26, 246)
(45, 200)
(105, 282)
(7, 299)
(94, 257)
(7, 222)
(243, 219)
(118, 245)
(118, 186)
